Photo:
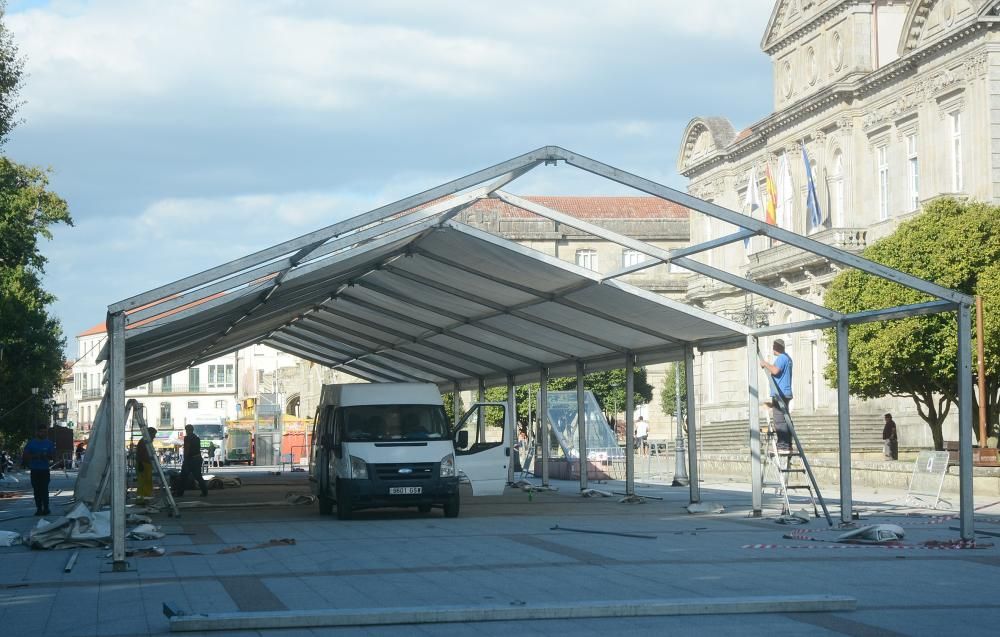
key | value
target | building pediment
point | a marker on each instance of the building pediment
(928, 21)
(704, 137)
(789, 17)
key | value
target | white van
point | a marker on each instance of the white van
(390, 445)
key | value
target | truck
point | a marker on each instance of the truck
(239, 446)
(390, 445)
(210, 426)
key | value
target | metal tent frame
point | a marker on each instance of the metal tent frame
(404, 292)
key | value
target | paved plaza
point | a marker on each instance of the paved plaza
(504, 551)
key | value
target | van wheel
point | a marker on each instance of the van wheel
(325, 505)
(344, 508)
(451, 507)
(424, 508)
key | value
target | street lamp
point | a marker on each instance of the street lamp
(680, 467)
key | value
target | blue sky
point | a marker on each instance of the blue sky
(187, 133)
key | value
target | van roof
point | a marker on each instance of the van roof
(381, 394)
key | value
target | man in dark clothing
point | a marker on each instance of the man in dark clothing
(192, 462)
(890, 439)
(38, 455)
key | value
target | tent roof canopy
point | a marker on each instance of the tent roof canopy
(405, 293)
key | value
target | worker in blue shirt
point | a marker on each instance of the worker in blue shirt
(781, 394)
(38, 454)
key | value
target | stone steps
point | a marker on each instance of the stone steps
(817, 434)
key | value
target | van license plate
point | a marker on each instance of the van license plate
(405, 490)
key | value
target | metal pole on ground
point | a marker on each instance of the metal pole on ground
(981, 370)
(844, 423)
(695, 489)
(581, 426)
(511, 435)
(482, 397)
(116, 382)
(680, 462)
(629, 424)
(753, 414)
(456, 410)
(543, 421)
(965, 421)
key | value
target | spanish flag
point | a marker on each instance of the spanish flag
(771, 201)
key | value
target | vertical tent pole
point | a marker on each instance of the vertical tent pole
(965, 421)
(510, 436)
(581, 426)
(753, 413)
(680, 453)
(543, 421)
(629, 417)
(456, 411)
(116, 381)
(480, 425)
(844, 423)
(693, 487)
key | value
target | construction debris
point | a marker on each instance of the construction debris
(705, 507)
(10, 538)
(873, 534)
(563, 528)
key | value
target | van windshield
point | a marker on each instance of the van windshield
(208, 431)
(393, 422)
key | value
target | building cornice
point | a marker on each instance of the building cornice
(809, 25)
(840, 93)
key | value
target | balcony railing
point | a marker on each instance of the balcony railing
(783, 257)
(165, 423)
(191, 389)
(89, 394)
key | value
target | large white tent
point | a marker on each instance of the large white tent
(406, 293)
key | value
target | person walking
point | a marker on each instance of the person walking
(781, 394)
(191, 466)
(144, 468)
(890, 439)
(38, 454)
(642, 436)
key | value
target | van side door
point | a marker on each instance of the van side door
(484, 457)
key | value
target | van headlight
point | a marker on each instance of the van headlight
(359, 468)
(448, 466)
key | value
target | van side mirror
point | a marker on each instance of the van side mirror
(462, 441)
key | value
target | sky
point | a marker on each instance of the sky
(184, 134)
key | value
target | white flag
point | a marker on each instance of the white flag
(752, 201)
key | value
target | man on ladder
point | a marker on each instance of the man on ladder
(781, 394)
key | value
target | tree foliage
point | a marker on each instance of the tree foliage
(668, 394)
(31, 339)
(954, 244)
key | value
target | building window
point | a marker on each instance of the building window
(587, 259)
(955, 119)
(194, 379)
(837, 190)
(220, 376)
(167, 384)
(631, 257)
(882, 162)
(221, 404)
(165, 420)
(78, 382)
(913, 171)
(192, 404)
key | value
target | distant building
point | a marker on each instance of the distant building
(895, 102)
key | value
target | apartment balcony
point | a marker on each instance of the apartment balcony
(191, 389)
(92, 394)
(165, 423)
(781, 258)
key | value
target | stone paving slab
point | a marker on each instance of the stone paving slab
(503, 550)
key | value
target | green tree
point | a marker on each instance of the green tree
(957, 245)
(31, 339)
(668, 394)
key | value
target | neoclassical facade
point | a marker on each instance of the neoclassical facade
(895, 102)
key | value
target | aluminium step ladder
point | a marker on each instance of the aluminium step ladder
(779, 470)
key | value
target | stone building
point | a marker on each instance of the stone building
(895, 103)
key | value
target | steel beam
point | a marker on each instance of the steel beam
(753, 412)
(692, 423)
(761, 227)
(682, 252)
(510, 428)
(116, 387)
(844, 423)
(543, 417)
(629, 425)
(964, 372)
(581, 425)
(528, 160)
